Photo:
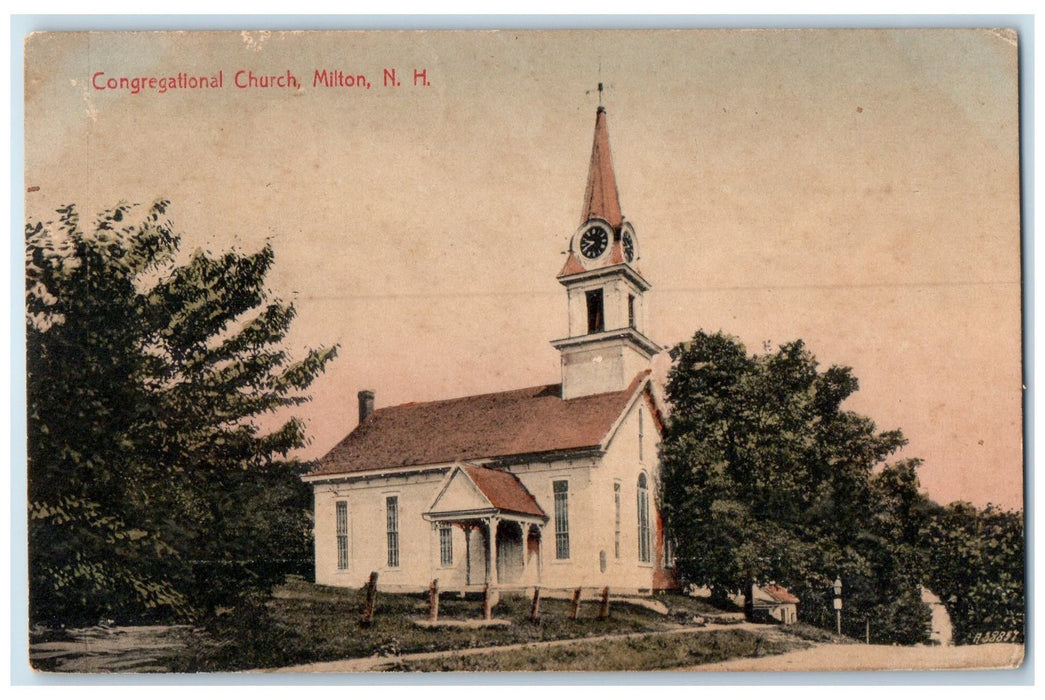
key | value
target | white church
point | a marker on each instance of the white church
(551, 486)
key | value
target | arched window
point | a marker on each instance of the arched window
(616, 520)
(643, 511)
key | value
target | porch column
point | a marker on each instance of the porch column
(433, 548)
(531, 570)
(467, 554)
(540, 552)
(491, 551)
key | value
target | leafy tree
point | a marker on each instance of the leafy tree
(766, 477)
(154, 490)
(900, 513)
(976, 565)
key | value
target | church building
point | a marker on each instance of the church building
(549, 485)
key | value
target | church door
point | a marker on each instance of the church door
(509, 552)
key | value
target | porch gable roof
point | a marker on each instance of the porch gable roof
(472, 490)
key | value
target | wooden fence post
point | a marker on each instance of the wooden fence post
(535, 608)
(433, 600)
(487, 607)
(576, 604)
(371, 595)
(604, 609)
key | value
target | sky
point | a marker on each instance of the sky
(857, 189)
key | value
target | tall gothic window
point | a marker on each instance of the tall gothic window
(341, 509)
(616, 521)
(392, 528)
(631, 311)
(560, 489)
(643, 510)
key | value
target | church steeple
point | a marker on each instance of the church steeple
(601, 200)
(606, 347)
(606, 238)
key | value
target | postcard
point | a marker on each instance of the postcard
(652, 350)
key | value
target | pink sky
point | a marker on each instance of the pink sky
(856, 189)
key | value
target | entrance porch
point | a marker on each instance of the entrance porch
(502, 524)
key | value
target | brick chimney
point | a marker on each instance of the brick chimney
(366, 404)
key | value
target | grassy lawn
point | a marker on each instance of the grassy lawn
(610, 655)
(305, 623)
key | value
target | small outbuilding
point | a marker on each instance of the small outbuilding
(772, 602)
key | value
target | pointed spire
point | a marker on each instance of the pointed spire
(600, 197)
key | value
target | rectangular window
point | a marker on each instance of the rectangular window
(616, 521)
(446, 545)
(341, 509)
(562, 519)
(392, 525)
(596, 323)
(669, 552)
(631, 311)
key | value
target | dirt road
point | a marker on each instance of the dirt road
(823, 657)
(140, 649)
(863, 657)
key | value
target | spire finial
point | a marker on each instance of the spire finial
(600, 94)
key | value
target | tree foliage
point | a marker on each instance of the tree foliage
(976, 565)
(765, 477)
(154, 490)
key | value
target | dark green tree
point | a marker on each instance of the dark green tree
(766, 477)
(976, 565)
(159, 479)
(900, 514)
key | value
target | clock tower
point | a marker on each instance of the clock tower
(606, 346)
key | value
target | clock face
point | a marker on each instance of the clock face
(594, 242)
(628, 243)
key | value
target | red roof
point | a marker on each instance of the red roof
(572, 266)
(503, 490)
(520, 422)
(779, 593)
(600, 197)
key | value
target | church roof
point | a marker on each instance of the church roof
(572, 267)
(601, 200)
(505, 424)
